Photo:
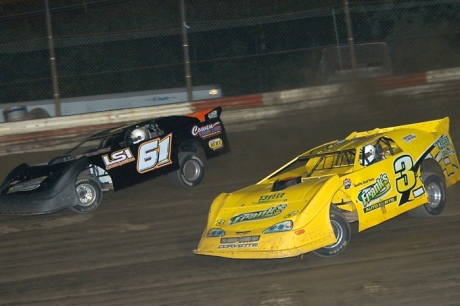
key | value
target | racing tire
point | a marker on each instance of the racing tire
(436, 190)
(89, 192)
(342, 232)
(190, 173)
(201, 154)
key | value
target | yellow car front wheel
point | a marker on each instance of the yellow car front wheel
(342, 232)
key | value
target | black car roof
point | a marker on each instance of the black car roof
(112, 131)
(175, 120)
(120, 129)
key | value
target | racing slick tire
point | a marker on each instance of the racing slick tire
(342, 232)
(201, 154)
(89, 192)
(436, 190)
(190, 173)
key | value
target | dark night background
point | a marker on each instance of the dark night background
(246, 47)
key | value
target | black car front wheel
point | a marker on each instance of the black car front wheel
(89, 193)
(190, 173)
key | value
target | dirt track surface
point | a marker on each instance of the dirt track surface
(136, 248)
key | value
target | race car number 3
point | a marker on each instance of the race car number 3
(154, 154)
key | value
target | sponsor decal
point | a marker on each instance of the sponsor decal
(347, 183)
(216, 144)
(212, 114)
(381, 204)
(162, 98)
(239, 239)
(118, 158)
(409, 138)
(258, 215)
(238, 245)
(364, 182)
(271, 197)
(375, 191)
(208, 130)
(443, 142)
(292, 213)
(220, 222)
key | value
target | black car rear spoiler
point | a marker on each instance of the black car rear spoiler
(207, 114)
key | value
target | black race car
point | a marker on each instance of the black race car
(115, 159)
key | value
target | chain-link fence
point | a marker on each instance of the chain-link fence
(244, 46)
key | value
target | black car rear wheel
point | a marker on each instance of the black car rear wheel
(342, 232)
(89, 193)
(190, 173)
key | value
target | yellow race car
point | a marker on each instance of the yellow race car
(307, 204)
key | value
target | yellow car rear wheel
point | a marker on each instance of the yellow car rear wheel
(436, 191)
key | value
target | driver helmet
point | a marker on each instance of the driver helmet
(139, 135)
(367, 155)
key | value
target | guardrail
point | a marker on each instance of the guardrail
(29, 129)
(107, 102)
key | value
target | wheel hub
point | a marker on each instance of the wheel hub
(86, 194)
(434, 195)
(338, 232)
(191, 170)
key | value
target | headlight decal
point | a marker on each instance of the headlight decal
(215, 232)
(27, 186)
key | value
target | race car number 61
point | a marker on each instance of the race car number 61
(154, 154)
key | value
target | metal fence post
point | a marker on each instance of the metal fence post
(337, 39)
(57, 103)
(350, 38)
(188, 76)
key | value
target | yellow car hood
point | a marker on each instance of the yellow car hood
(258, 206)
